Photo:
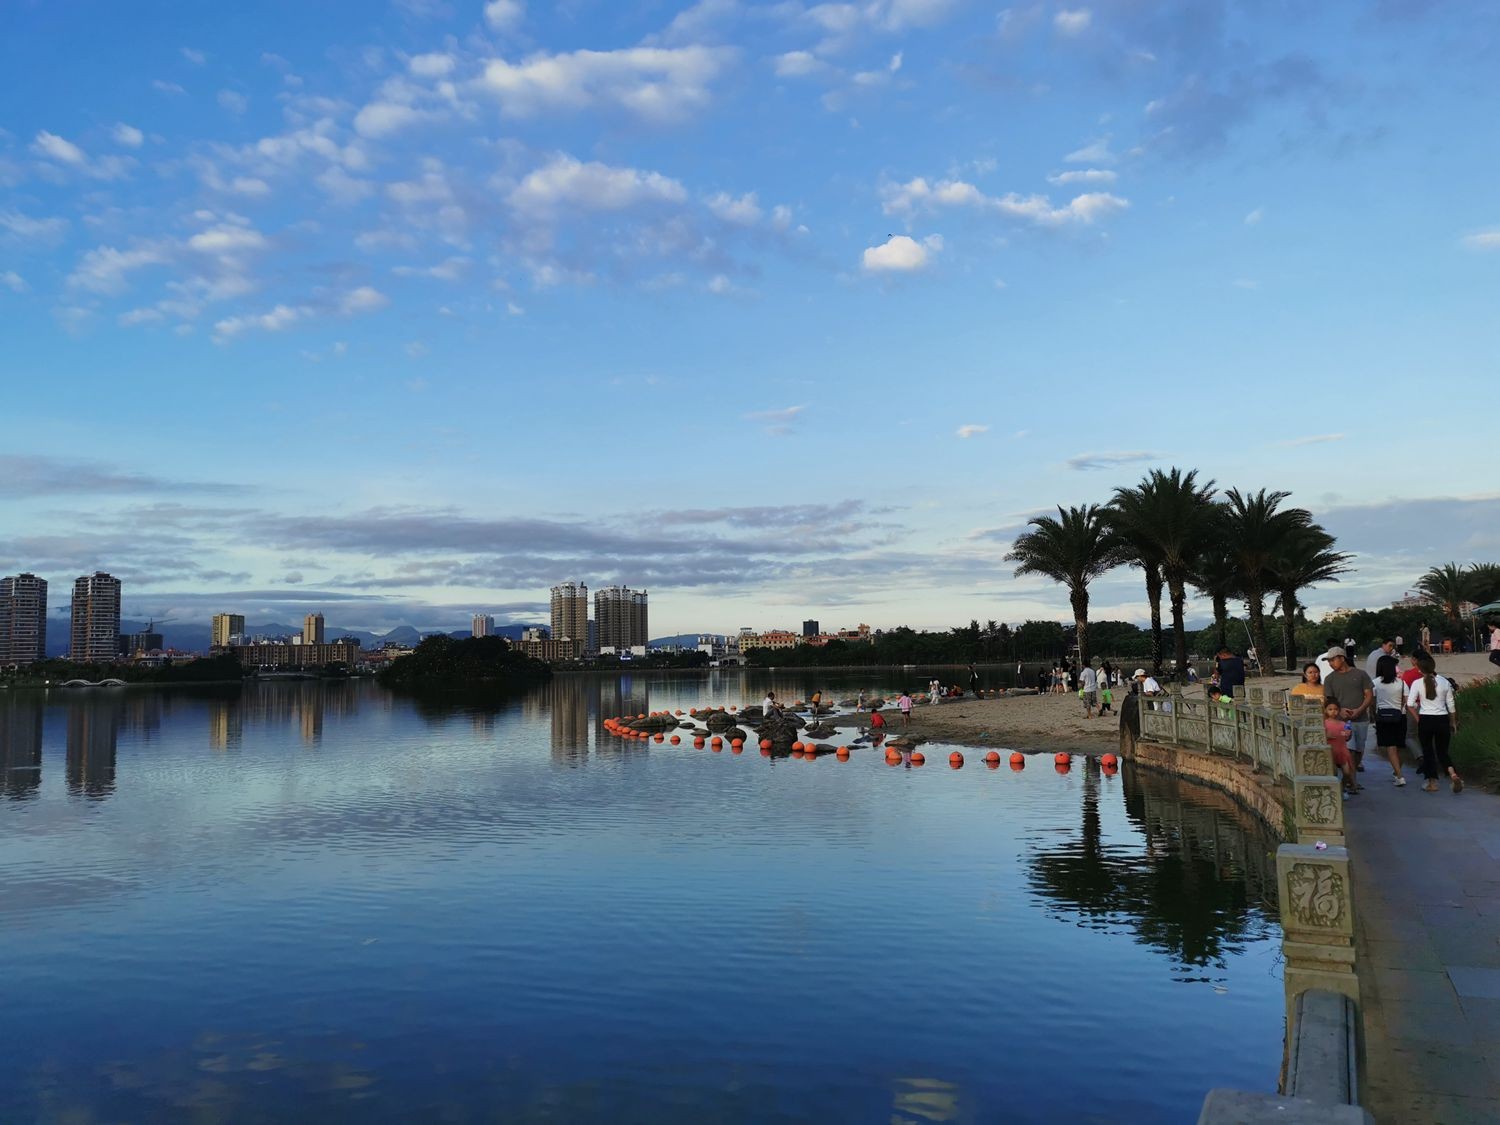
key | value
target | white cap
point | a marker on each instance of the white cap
(1139, 672)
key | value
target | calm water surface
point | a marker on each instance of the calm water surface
(327, 903)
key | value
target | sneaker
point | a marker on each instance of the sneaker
(1458, 784)
(1398, 781)
(1347, 794)
(1359, 768)
(1431, 786)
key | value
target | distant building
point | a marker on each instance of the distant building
(312, 629)
(481, 625)
(227, 629)
(345, 652)
(143, 643)
(96, 619)
(621, 616)
(570, 612)
(23, 619)
(810, 628)
(536, 644)
(770, 638)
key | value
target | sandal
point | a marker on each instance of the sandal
(1458, 784)
(1431, 786)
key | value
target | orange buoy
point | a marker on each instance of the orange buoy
(893, 759)
(734, 708)
(842, 751)
(956, 760)
(765, 751)
(765, 743)
(1063, 759)
(717, 743)
(918, 758)
(640, 716)
(798, 746)
(679, 710)
(697, 744)
(892, 755)
(737, 743)
(1063, 767)
(738, 747)
(1110, 770)
(1109, 761)
(993, 757)
(692, 710)
(675, 740)
(1018, 759)
(989, 765)
(798, 754)
(659, 738)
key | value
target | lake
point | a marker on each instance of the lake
(324, 902)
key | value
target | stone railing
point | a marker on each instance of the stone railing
(1279, 740)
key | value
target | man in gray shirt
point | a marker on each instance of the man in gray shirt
(1386, 647)
(1354, 692)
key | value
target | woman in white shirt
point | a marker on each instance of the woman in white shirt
(1431, 705)
(1390, 714)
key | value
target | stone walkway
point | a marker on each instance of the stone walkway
(1426, 869)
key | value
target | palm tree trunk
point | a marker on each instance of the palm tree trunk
(1153, 595)
(1289, 627)
(1080, 599)
(1178, 592)
(1255, 606)
(1221, 619)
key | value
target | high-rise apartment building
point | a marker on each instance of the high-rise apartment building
(570, 613)
(482, 625)
(809, 628)
(23, 619)
(96, 619)
(621, 616)
(228, 629)
(312, 629)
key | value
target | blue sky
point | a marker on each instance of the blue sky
(400, 310)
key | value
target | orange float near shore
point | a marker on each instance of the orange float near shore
(956, 760)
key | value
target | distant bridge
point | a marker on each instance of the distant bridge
(111, 682)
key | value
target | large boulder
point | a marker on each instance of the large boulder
(718, 721)
(780, 728)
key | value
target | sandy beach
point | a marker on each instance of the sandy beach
(1036, 723)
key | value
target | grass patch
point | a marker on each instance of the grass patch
(1476, 747)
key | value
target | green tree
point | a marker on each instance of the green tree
(1485, 583)
(1162, 522)
(1448, 587)
(1215, 574)
(1305, 558)
(1073, 549)
(1258, 528)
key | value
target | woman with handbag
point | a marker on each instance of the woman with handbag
(1390, 714)
(1430, 702)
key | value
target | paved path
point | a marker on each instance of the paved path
(1427, 909)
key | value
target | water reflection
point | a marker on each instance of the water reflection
(93, 740)
(1207, 884)
(21, 750)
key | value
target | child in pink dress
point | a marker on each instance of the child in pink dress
(1337, 733)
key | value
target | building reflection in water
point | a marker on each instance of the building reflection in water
(1207, 885)
(569, 703)
(612, 698)
(226, 724)
(93, 738)
(20, 747)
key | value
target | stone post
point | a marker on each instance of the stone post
(1318, 808)
(1314, 759)
(1317, 921)
(1174, 701)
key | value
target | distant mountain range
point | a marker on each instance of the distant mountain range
(195, 637)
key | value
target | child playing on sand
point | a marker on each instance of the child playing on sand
(877, 723)
(905, 704)
(1337, 732)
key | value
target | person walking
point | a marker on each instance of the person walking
(1495, 643)
(1324, 658)
(934, 691)
(1106, 689)
(1312, 682)
(974, 681)
(1432, 707)
(1386, 647)
(1424, 638)
(905, 704)
(1336, 730)
(1390, 714)
(1088, 690)
(1354, 692)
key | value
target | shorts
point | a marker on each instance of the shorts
(1362, 737)
(1090, 698)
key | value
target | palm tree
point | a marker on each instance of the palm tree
(1073, 549)
(1163, 520)
(1448, 586)
(1258, 529)
(1484, 581)
(1306, 557)
(1216, 575)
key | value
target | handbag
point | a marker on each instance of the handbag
(1387, 714)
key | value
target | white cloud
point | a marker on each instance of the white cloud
(362, 300)
(743, 212)
(1084, 461)
(341, 187)
(903, 199)
(13, 281)
(972, 429)
(505, 15)
(901, 254)
(565, 182)
(278, 319)
(227, 238)
(435, 65)
(655, 83)
(777, 421)
(452, 269)
(895, 63)
(514, 309)
(105, 269)
(233, 101)
(1095, 152)
(1314, 439)
(799, 64)
(381, 119)
(196, 57)
(1073, 21)
(57, 148)
(1483, 240)
(162, 86)
(1083, 176)
(1255, 216)
(26, 229)
(127, 135)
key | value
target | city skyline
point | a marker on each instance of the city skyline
(918, 272)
